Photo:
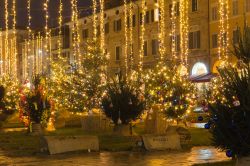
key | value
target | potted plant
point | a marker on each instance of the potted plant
(36, 107)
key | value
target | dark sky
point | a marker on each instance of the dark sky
(37, 12)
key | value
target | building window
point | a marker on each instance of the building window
(98, 32)
(118, 51)
(117, 25)
(152, 15)
(147, 17)
(85, 33)
(178, 43)
(134, 20)
(214, 40)
(145, 48)
(194, 40)
(177, 8)
(214, 13)
(106, 28)
(235, 7)
(236, 36)
(155, 46)
(194, 5)
(140, 18)
(247, 5)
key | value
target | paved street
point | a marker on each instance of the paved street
(196, 155)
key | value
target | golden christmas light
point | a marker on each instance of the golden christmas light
(126, 36)
(184, 30)
(223, 40)
(142, 38)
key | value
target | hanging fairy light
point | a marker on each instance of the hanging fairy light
(162, 43)
(173, 29)
(142, 28)
(47, 35)
(75, 32)
(126, 36)
(60, 19)
(224, 28)
(1, 51)
(184, 30)
(102, 27)
(14, 58)
(131, 58)
(94, 20)
(6, 43)
(28, 49)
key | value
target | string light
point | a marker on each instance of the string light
(184, 7)
(102, 26)
(14, 58)
(224, 28)
(29, 38)
(60, 28)
(75, 32)
(131, 35)
(141, 50)
(173, 29)
(162, 30)
(126, 37)
(6, 44)
(94, 20)
(1, 51)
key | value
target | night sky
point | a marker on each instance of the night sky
(37, 12)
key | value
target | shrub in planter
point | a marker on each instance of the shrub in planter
(35, 106)
(123, 103)
(230, 116)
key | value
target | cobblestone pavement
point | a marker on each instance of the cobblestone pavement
(196, 155)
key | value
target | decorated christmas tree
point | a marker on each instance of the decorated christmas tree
(35, 105)
(11, 93)
(170, 89)
(230, 117)
(123, 102)
(78, 87)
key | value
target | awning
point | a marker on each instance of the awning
(203, 77)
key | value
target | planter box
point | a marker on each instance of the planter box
(62, 144)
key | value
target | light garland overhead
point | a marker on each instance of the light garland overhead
(60, 19)
(224, 29)
(184, 30)
(126, 36)
(142, 28)
(1, 52)
(94, 20)
(14, 45)
(131, 58)
(75, 32)
(102, 26)
(173, 34)
(6, 43)
(162, 29)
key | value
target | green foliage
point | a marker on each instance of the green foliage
(10, 92)
(167, 87)
(123, 102)
(78, 87)
(36, 104)
(231, 116)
